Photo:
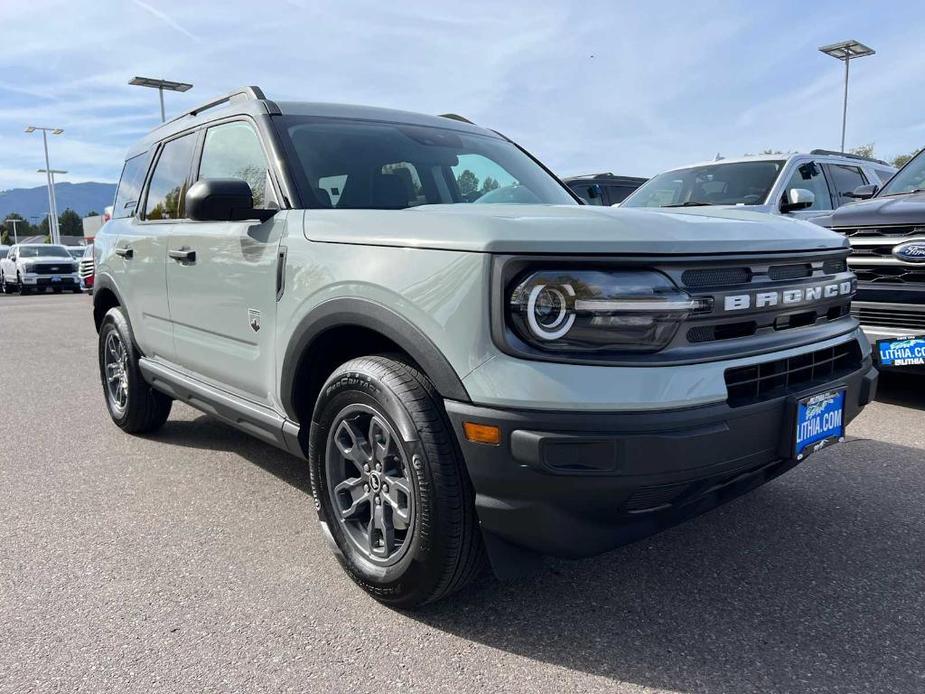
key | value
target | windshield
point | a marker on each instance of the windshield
(911, 178)
(391, 166)
(43, 251)
(735, 183)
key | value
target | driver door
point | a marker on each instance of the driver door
(221, 276)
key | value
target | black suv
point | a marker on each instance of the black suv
(603, 189)
(887, 235)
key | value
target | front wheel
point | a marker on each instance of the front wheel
(134, 406)
(390, 485)
(20, 287)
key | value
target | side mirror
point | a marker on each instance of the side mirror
(863, 192)
(223, 200)
(797, 199)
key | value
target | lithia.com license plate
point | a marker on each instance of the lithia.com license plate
(820, 422)
(903, 351)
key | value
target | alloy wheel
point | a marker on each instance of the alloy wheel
(115, 362)
(369, 483)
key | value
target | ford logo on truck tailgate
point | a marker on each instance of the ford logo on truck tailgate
(911, 252)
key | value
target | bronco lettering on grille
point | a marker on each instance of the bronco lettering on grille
(786, 297)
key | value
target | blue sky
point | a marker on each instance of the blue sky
(628, 87)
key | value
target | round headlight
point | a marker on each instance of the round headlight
(548, 313)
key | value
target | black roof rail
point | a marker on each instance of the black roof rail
(249, 93)
(456, 116)
(848, 155)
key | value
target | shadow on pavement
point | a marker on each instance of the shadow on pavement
(905, 389)
(813, 582)
(206, 433)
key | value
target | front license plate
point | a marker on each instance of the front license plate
(901, 351)
(56, 278)
(820, 422)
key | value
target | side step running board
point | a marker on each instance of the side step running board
(249, 417)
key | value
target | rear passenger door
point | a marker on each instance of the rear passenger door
(845, 178)
(141, 248)
(223, 294)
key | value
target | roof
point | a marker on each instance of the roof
(815, 154)
(609, 177)
(252, 101)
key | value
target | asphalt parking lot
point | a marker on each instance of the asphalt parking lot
(191, 561)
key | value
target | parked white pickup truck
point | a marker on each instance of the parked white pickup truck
(29, 267)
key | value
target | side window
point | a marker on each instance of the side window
(588, 193)
(844, 180)
(129, 190)
(167, 189)
(809, 176)
(883, 174)
(233, 150)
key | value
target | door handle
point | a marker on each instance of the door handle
(125, 252)
(184, 255)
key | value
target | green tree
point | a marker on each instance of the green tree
(468, 183)
(901, 160)
(863, 150)
(489, 184)
(23, 228)
(70, 223)
(92, 213)
(42, 228)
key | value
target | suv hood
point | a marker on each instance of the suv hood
(47, 259)
(885, 211)
(569, 229)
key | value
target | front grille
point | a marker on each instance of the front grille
(872, 257)
(833, 267)
(790, 272)
(716, 277)
(65, 268)
(758, 382)
(895, 231)
(890, 316)
(890, 274)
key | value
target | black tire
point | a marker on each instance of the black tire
(144, 409)
(444, 545)
(22, 288)
(2, 284)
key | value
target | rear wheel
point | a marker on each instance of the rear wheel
(390, 485)
(2, 284)
(134, 406)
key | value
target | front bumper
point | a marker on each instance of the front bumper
(575, 484)
(68, 281)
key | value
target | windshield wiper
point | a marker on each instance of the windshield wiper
(904, 192)
(689, 203)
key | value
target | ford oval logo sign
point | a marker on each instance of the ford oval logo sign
(911, 252)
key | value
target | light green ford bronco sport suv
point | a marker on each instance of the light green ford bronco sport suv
(474, 364)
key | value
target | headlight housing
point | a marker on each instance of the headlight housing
(598, 311)
(28, 267)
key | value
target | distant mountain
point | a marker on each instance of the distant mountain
(80, 197)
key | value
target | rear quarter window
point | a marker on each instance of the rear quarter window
(129, 190)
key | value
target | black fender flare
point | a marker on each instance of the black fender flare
(337, 313)
(105, 281)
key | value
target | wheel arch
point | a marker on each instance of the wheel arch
(338, 320)
(105, 296)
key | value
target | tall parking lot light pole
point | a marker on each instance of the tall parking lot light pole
(846, 51)
(161, 85)
(52, 204)
(54, 199)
